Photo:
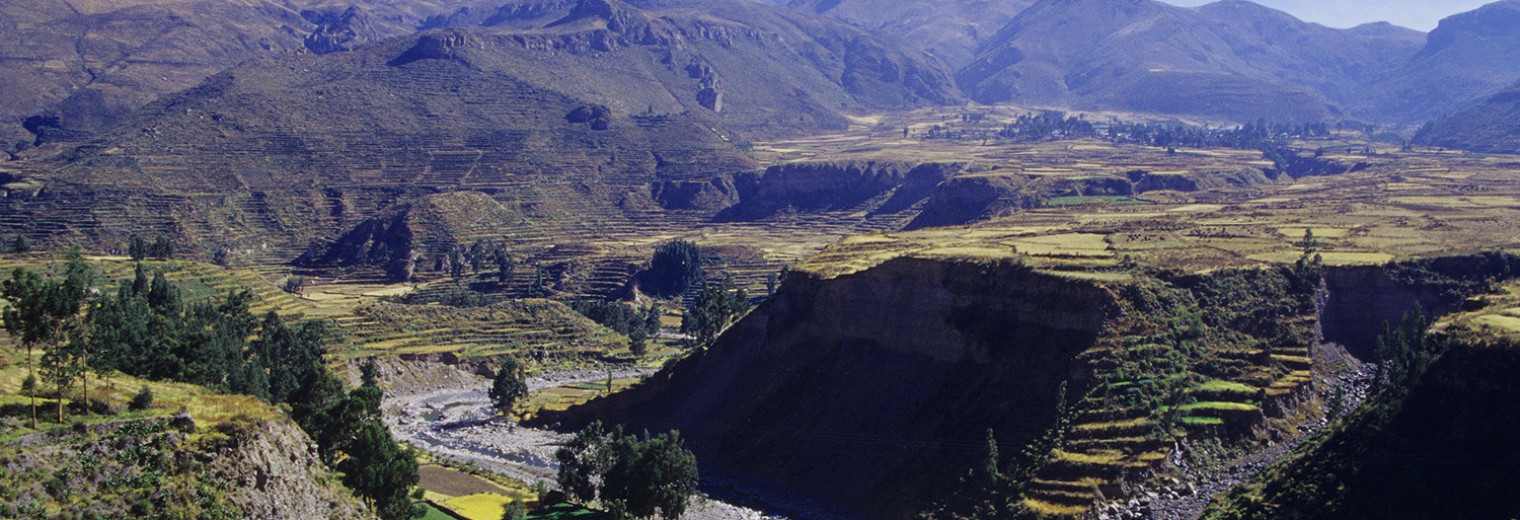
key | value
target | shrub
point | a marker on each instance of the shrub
(142, 401)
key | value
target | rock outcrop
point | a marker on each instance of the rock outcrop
(242, 467)
(889, 187)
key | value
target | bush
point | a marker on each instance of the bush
(142, 401)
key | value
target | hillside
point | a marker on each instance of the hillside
(949, 30)
(1468, 57)
(1229, 61)
(1443, 446)
(939, 350)
(1492, 126)
(73, 68)
(217, 455)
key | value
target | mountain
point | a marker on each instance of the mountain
(951, 30)
(1492, 126)
(1469, 57)
(584, 115)
(1231, 60)
(75, 67)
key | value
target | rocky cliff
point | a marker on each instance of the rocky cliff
(1361, 300)
(879, 187)
(240, 468)
(872, 390)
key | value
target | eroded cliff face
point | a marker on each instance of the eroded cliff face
(875, 390)
(1361, 299)
(879, 187)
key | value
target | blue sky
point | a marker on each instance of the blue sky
(1414, 14)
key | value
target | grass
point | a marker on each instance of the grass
(1112, 199)
(1218, 405)
(563, 397)
(1114, 425)
(565, 511)
(1053, 509)
(1226, 390)
(431, 512)
(1202, 421)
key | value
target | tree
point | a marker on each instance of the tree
(477, 255)
(504, 265)
(515, 511)
(21, 245)
(162, 248)
(25, 318)
(990, 464)
(540, 286)
(675, 267)
(713, 310)
(369, 374)
(509, 385)
(381, 471)
(294, 285)
(456, 264)
(138, 248)
(580, 462)
(638, 342)
(636, 476)
(651, 475)
(43, 312)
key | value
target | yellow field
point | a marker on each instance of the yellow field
(484, 506)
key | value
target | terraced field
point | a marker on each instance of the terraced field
(541, 329)
(1110, 443)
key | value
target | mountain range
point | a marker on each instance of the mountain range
(950, 30)
(75, 69)
(1231, 60)
(79, 66)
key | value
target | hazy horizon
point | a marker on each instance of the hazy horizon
(1421, 15)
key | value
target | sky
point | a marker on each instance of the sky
(1414, 14)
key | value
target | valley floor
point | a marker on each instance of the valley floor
(454, 422)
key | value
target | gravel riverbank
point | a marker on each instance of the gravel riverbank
(455, 421)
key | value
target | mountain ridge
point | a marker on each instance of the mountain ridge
(1230, 60)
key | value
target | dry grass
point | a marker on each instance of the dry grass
(563, 397)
